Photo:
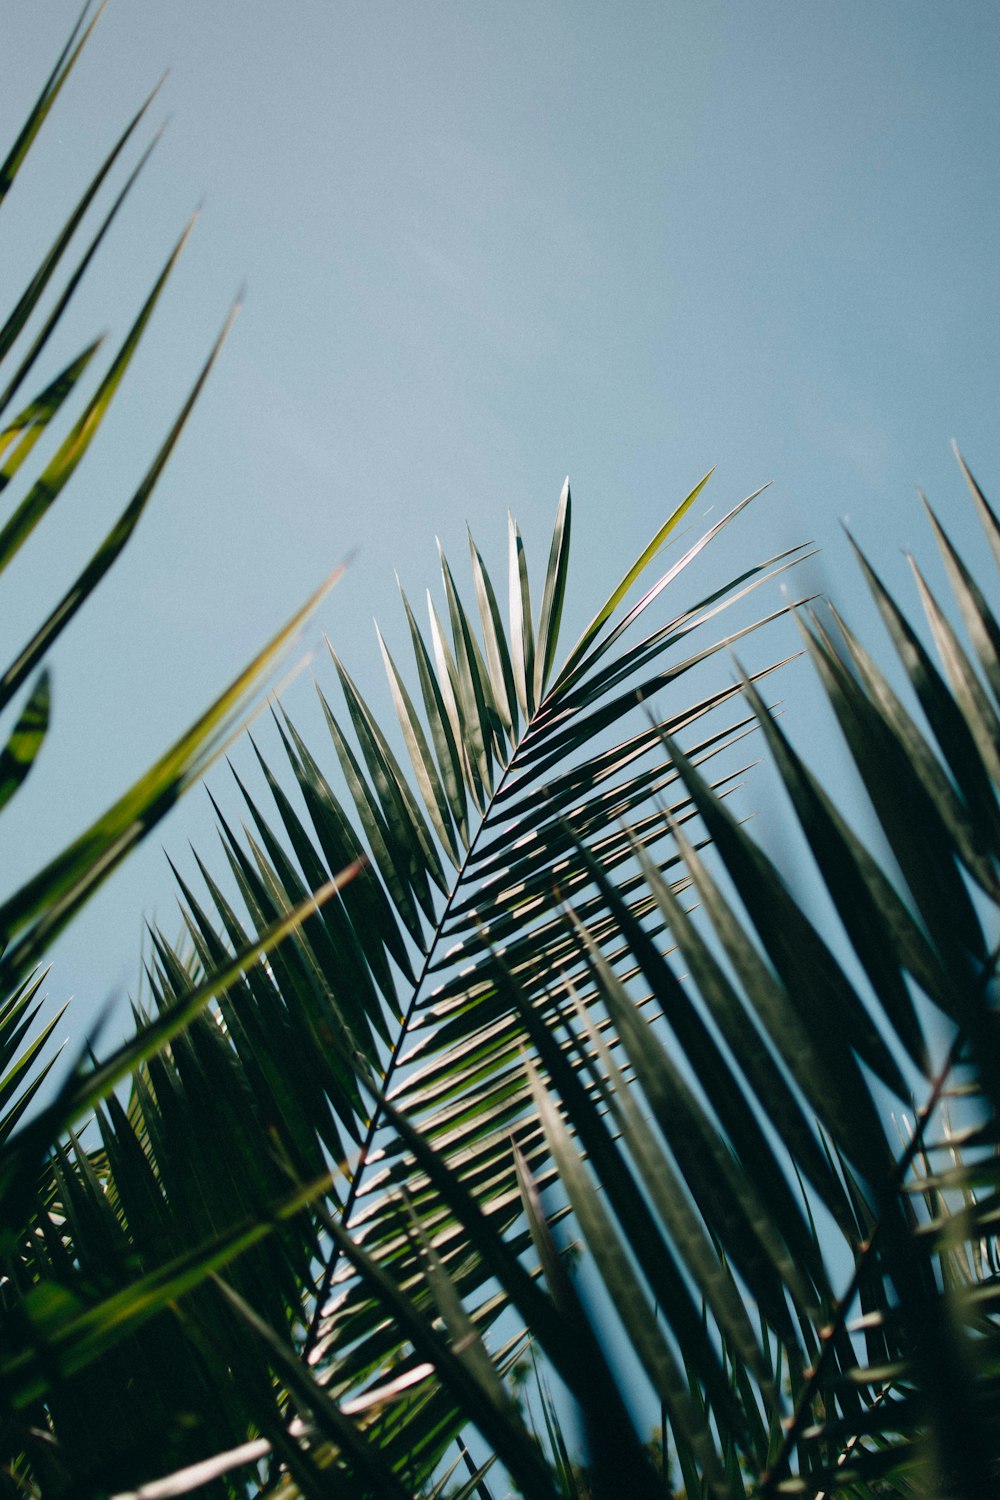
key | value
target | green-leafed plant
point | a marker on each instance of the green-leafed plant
(781, 1167)
(51, 1318)
(524, 772)
(779, 1162)
(570, 1080)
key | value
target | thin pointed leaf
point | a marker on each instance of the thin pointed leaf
(375, 828)
(365, 900)
(497, 655)
(522, 630)
(416, 850)
(915, 803)
(466, 733)
(112, 545)
(631, 1304)
(553, 594)
(19, 754)
(483, 728)
(43, 906)
(883, 934)
(439, 721)
(990, 523)
(943, 712)
(971, 700)
(424, 766)
(19, 437)
(46, 99)
(57, 473)
(41, 339)
(978, 618)
(614, 599)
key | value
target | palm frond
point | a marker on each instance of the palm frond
(887, 1360)
(74, 1290)
(530, 784)
(557, 1007)
(703, 1099)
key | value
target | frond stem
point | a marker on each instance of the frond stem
(374, 1124)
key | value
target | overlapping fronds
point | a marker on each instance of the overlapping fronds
(508, 989)
(777, 1145)
(64, 1259)
(788, 1179)
(527, 785)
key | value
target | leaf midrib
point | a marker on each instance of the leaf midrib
(402, 1036)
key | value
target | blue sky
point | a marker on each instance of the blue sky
(486, 244)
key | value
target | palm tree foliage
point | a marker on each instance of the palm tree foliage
(544, 1076)
(779, 1164)
(383, 1002)
(61, 420)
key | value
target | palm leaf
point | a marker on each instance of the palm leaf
(885, 1397)
(555, 785)
(557, 1013)
(508, 1028)
(79, 1297)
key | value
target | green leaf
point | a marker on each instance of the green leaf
(553, 594)
(112, 545)
(617, 595)
(34, 292)
(30, 298)
(627, 1297)
(495, 643)
(948, 723)
(46, 99)
(990, 523)
(442, 725)
(974, 713)
(19, 437)
(31, 917)
(522, 630)
(425, 768)
(977, 617)
(472, 684)
(19, 754)
(71, 1335)
(913, 799)
(883, 934)
(58, 472)
(328, 1419)
(396, 863)
(813, 1001)
(366, 904)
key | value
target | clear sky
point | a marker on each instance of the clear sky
(487, 242)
